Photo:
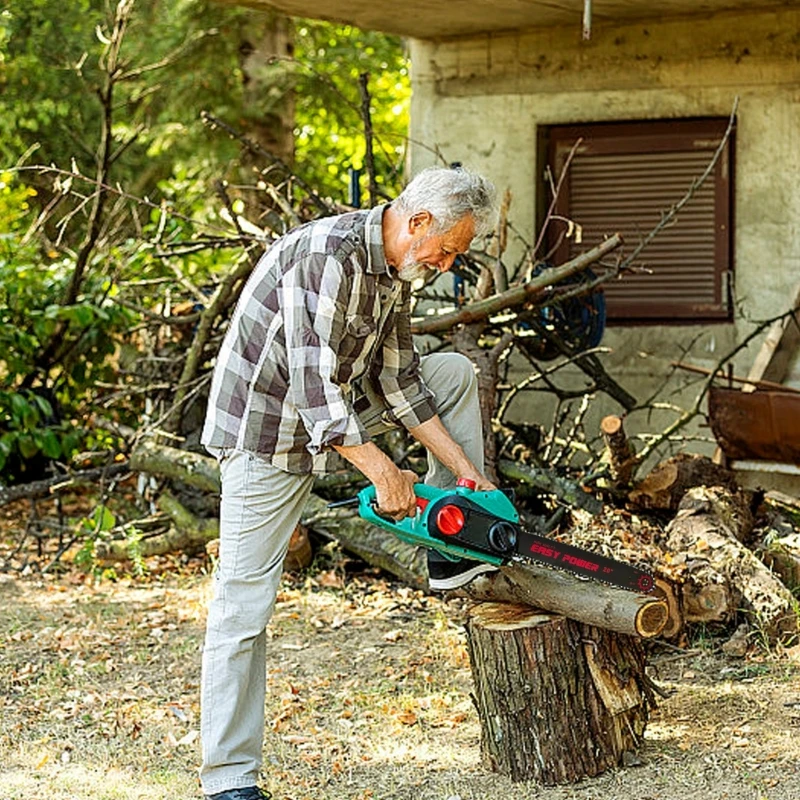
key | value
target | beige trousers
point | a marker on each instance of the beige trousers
(261, 506)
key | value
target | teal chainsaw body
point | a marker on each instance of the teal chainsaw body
(485, 526)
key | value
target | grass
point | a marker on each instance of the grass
(368, 699)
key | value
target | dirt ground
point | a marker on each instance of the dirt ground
(369, 699)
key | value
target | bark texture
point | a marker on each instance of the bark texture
(722, 575)
(584, 601)
(558, 701)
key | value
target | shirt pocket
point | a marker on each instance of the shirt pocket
(359, 326)
(360, 332)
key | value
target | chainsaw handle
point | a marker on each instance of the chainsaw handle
(368, 510)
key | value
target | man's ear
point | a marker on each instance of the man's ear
(419, 222)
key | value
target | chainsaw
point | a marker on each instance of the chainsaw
(485, 526)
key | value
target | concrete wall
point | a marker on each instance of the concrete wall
(481, 100)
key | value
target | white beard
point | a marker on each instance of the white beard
(410, 269)
(414, 271)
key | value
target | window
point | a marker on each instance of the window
(622, 178)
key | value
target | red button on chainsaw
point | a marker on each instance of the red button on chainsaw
(467, 483)
(450, 520)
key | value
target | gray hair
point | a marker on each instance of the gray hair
(449, 195)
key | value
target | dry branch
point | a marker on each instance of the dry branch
(536, 290)
(567, 491)
(45, 488)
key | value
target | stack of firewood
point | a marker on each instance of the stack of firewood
(722, 556)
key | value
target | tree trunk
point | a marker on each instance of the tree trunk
(267, 101)
(558, 701)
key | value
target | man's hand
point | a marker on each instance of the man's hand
(482, 483)
(433, 436)
(394, 487)
(395, 495)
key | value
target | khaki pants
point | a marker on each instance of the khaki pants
(261, 506)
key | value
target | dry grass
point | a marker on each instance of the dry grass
(368, 700)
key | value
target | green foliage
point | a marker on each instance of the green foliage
(50, 73)
(46, 420)
(42, 95)
(89, 530)
(61, 358)
(329, 128)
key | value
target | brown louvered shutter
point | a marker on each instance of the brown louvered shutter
(623, 177)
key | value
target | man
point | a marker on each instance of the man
(317, 360)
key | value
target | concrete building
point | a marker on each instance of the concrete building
(507, 86)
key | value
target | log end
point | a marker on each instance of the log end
(652, 618)
(611, 425)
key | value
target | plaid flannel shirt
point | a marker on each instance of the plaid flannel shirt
(320, 313)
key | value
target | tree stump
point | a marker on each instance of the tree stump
(558, 700)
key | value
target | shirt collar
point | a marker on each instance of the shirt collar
(373, 234)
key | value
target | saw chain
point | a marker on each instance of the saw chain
(485, 526)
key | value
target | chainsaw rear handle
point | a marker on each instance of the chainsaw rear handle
(416, 531)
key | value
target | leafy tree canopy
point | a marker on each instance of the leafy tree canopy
(180, 58)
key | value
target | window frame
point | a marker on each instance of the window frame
(650, 136)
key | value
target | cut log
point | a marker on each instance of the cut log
(620, 453)
(582, 600)
(666, 591)
(558, 701)
(721, 574)
(664, 487)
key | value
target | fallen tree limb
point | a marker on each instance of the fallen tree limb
(39, 489)
(582, 600)
(193, 469)
(565, 490)
(519, 295)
